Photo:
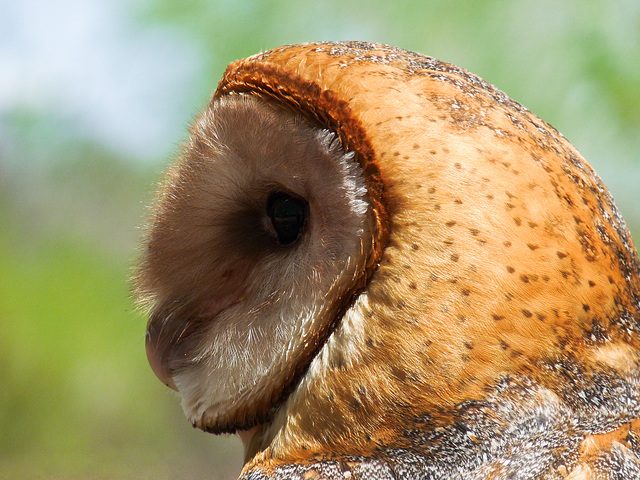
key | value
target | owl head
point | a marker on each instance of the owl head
(357, 242)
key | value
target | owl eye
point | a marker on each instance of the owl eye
(288, 216)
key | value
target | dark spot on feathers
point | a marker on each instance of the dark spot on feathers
(398, 373)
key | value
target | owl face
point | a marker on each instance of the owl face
(263, 232)
(363, 252)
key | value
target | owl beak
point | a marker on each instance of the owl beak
(158, 350)
(169, 330)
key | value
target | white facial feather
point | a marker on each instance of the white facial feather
(287, 293)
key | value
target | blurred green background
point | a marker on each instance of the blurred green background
(95, 98)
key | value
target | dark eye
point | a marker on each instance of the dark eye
(288, 216)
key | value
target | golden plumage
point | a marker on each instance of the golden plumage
(491, 327)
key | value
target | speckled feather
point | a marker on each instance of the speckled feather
(497, 334)
(507, 277)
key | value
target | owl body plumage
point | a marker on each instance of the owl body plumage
(479, 314)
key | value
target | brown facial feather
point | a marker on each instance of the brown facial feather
(236, 317)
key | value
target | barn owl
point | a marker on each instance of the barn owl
(372, 264)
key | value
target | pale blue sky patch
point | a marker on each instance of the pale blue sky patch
(87, 62)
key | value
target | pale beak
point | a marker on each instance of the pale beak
(158, 350)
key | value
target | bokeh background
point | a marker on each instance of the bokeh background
(95, 98)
